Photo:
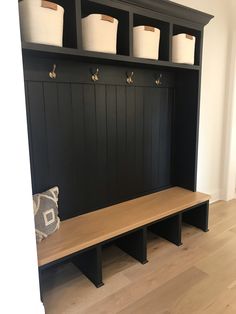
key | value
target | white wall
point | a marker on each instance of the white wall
(18, 272)
(229, 173)
(229, 190)
(212, 158)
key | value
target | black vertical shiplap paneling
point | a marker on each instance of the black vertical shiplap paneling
(38, 136)
(30, 137)
(147, 139)
(60, 148)
(79, 157)
(155, 102)
(122, 167)
(111, 142)
(90, 145)
(130, 134)
(139, 174)
(66, 131)
(164, 163)
(53, 134)
(100, 143)
(101, 117)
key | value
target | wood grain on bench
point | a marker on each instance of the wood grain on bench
(90, 229)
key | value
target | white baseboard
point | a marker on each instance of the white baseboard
(216, 196)
(227, 197)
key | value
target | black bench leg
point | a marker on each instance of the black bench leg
(90, 263)
(169, 229)
(135, 244)
(198, 216)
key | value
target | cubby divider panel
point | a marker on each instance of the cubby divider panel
(90, 263)
(135, 244)
(169, 228)
(70, 29)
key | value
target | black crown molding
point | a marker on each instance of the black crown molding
(170, 8)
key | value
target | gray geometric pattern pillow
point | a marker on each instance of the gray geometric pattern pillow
(46, 213)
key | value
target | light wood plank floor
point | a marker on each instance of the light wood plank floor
(198, 277)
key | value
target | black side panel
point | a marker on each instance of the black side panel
(185, 128)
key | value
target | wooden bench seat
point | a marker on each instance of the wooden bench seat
(88, 230)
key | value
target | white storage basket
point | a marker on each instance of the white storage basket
(99, 33)
(183, 48)
(41, 22)
(146, 41)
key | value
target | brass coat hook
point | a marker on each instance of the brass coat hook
(95, 76)
(53, 73)
(158, 81)
(129, 79)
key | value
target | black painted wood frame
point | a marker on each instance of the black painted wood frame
(108, 142)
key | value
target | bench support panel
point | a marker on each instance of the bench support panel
(198, 216)
(135, 244)
(169, 229)
(90, 264)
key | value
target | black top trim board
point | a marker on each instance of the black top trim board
(173, 9)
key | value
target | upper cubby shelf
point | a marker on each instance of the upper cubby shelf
(42, 50)
(130, 14)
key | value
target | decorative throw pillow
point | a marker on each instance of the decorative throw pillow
(46, 213)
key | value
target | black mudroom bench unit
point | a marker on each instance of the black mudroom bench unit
(81, 239)
(122, 148)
